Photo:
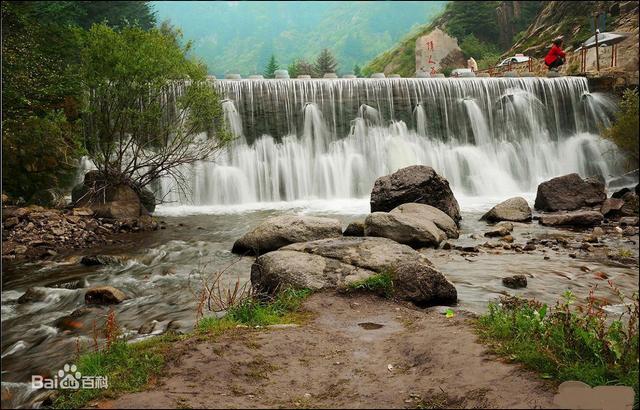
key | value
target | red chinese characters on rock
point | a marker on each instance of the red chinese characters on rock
(431, 65)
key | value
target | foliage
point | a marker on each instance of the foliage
(357, 71)
(86, 13)
(132, 137)
(381, 283)
(129, 367)
(300, 67)
(465, 20)
(39, 153)
(270, 69)
(624, 131)
(41, 82)
(325, 63)
(568, 343)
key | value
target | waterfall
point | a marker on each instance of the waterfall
(326, 139)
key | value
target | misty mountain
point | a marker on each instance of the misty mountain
(239, 37)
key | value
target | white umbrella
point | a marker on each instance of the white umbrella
(603, 38)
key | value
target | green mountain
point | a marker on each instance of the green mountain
(240, 37)
(484, 29)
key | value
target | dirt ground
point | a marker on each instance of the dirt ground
(342, 358)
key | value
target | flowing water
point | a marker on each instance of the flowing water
(315, 147)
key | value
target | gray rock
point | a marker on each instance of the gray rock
(280, 231)
(568, 193)
(422, 285)
(422, 212)
(501, 229)
(515, 282)
(403, 229)
(32, 295)
(577, 218)
(374, 254)
(611, 206)
(417, 183)
(49, 198)
(104, 295)
(354, 229)
(335, 263)
(514, 209)
(631, 204)
(95, 260)
(629, 220)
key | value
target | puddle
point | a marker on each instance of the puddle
(370, 326)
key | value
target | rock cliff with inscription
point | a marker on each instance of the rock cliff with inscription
(437, 50)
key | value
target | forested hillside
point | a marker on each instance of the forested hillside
(240, 37)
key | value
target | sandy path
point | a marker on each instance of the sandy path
(334, 362)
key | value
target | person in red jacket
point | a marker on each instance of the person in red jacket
(555, 58)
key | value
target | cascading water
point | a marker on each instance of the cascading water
(328, 139)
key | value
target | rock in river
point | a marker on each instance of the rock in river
(578, 218)
(568, 193)
(334, 263)
(416, 225)
(280, 231)
(515, 282)
(104, 295)
(513, 209)
(501, 229)
(417, 183)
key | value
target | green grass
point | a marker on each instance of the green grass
(131, 366)
(381, 283)
(570, 343)
(128, 366)
(284, 308)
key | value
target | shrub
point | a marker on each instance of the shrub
(624, 132)
(569, 343)
(381, 283)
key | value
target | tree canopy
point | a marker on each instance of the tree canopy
(270, 69)
(325, 63)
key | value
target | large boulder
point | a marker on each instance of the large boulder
(577, 218)
(568, 193)
(631, 204)
(513, 209)
(337, 262)
(114, 202)
(422, 285)
(429, 213)
(283, 230)
(417, 183)
(416, 225)
(403, 229)
(611, 206)
(49, 198)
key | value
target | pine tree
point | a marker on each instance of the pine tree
(357, 71)
(272, 66)
(325, 63)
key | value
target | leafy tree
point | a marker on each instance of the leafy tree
(301, 67)
(41, 127)
(39, 84)
(272, 66)
(357, 71)
(132, 137)
(325, 63)
(86, 13)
